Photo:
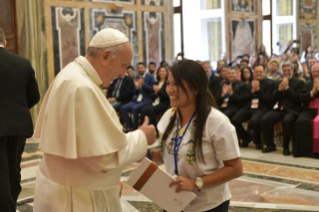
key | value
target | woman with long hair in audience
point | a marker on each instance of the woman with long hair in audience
(199, 145)
(159, 96)
(246, 75)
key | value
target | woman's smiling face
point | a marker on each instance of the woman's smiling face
(178, 97)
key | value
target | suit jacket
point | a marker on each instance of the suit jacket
(266, 88)
(126, 91)
(164, 98)
(18, 93)
(305, 96)
(214, 84)
(147, 88)
(235, 101)
(289, 98)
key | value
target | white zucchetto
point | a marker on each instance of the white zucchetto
(108, 37)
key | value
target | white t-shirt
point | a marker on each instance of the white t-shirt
(219, 144)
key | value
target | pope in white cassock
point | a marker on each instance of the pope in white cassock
(84, 147)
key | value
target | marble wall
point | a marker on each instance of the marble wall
(71, 24)
(68, 35)
(153, 37)
(125, 21)
(243, 22)
(243, 33)
(307, 21)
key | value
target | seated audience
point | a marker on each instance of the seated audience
(208, 69)
(272, 70)
(144, 86)
(246, 75)
(228, 97)
(223, 74)
(243, 63)
(151, 68)
(220, 63)
(257, 102)
(159, 96)
(306, 127)
(121, 91)
(296, 74)
(252, 60)
(213, 80)
(130, 72)
(287, 109)
(164, 63)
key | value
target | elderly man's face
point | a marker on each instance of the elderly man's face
(315, 71)
(287, 71)
(111, 67)
(259, 73)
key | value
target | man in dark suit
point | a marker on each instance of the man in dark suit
(287, 109)
(305, 125)
(144, 86)
(18, 93)
(229, 94)
(213, 80)
(121, 91)
(257, 102)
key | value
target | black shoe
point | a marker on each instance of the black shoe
(286, 151)
(269, 148)
(245, 143)
(258, 146)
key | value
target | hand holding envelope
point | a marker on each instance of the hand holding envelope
(154, 183)
(184, 184)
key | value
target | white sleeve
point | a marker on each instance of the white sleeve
(135, 150)
(225, 141)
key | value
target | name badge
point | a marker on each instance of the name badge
(254, 103)
(139, 98)
(225, 103)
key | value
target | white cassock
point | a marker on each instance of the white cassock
(84, 147)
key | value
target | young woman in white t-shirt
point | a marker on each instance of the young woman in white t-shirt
(203, 153)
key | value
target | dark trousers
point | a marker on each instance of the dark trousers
(221, 208)
(11, 149)
(271, 118)
(303, 136)
(229, 111)
(152, 111)
(135, 107)
(243, 115)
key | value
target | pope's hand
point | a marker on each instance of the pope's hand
(149, 131)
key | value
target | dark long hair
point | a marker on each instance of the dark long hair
(242, 74)
(158, 78)
(194, 75)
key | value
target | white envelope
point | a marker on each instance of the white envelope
(153, 183)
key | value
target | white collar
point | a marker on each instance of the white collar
(1, 46)
(90, 70)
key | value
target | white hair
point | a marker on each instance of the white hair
(95, 52)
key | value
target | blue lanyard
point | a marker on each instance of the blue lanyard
(178, 140)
